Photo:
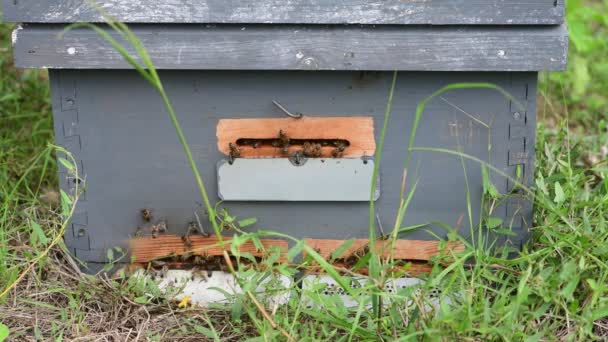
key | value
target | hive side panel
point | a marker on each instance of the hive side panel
(438, 12)
(133, 159)
(65, 101)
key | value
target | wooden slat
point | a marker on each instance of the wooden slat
(359, 131)
(404, 249)
(436, 12)
(288, 47)
(145, 249)
(415, 268)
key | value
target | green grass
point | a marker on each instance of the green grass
(556, 289)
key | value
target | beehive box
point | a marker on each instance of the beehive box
(224, 63)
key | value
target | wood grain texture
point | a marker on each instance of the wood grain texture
(317, 47)
(359, 131)
(414, 269)
(433, 12)
(421, 250)
(145, 249)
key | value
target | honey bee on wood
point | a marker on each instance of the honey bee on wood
(235, 152)
(316, 151)
(146, 214)
(339, 150)
(186, 240)
(206, 262)
(186, 256)
(307, 149)
(361, 252)
(356, 255)
(159, 228)
(192, 230)
(284, 141)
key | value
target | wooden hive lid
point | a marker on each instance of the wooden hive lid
(393, 12)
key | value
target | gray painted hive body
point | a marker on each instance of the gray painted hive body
(232, 61)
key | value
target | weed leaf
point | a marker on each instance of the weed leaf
(66, 163)
(595, 315)
(247, 222)
(4, 332)
(493, 222)
(559, 193)
(38, 233)
(205, 331)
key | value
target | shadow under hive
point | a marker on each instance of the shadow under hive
(222, 72)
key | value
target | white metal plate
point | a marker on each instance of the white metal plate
(203, 290)
(326, 286)
(278, 179)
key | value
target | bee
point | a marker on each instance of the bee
(220, 264)
(174, 257)
(197, 260)
(159, 228)
(157, 263)
(307, 149)
(235, 152)
(339, 150)
(203, 260)
(186, 240)
(138, 232)
(192, 230)
(382, 235)
(284, 141)
(164, 271)
(316, 151)
(186, 256)
(146, 214)
(361, 252)
(355, 256)
(200, 273)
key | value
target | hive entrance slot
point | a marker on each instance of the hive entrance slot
(275, 142)
(312, 137)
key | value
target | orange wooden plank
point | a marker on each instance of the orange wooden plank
(404, 249)
(145, 249)
(415, 268)
(357, 130)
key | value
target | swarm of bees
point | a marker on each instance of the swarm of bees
(310, 148)
(201, 265)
